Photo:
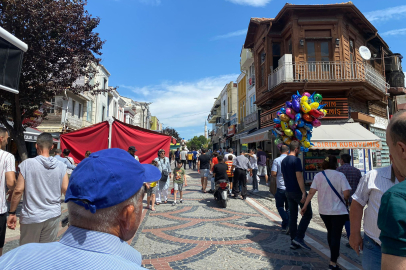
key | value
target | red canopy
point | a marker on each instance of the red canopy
(95, 138)
(146, 142)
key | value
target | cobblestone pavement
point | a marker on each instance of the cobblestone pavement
(198, 234)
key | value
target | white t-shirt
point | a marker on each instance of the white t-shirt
(253, 161)
(69, 171)
(183, 155)
(226, 156)
(7, 164)
(329, 203)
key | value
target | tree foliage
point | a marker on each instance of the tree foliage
(172, 132)
(62, 46)
(197, 142)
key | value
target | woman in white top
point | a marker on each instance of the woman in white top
(333, 210)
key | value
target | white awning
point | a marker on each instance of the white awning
(344, 136)
(257, 136)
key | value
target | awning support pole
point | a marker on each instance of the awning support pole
(110, 120)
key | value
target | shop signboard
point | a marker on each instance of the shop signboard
(347, 145)
(231, 130)
(233, 119)
(337, 108)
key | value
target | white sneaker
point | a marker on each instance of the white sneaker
(267, 184)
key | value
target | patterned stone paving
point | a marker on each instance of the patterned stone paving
(199, 235)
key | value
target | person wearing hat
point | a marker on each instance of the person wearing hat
(131, 151)
(163, 184)
(104, 198)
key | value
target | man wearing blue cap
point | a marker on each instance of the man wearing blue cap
(104, 199)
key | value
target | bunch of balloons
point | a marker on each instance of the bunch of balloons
(295, 121)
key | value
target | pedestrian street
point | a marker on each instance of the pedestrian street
(198, 234)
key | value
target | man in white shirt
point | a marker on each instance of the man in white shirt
(183, 156)
(42, 180)
(7, 178)
(230, 152)
(253, 161)
(369, 192)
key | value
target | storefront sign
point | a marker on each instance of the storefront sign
(30, 138)
(233, 119)
(380, 122)
(263, 136)
(347, 145)
(337, 108)
(231, 130)
(251, 118)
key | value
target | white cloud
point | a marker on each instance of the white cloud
(254, 3)
(151, 2)
(386, 14)
(183, 104)
(231, 34)
(395, 32)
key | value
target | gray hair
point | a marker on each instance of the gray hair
(45, 141)
(104, 218)
(230, 150)
(397, 127)
(57, 151)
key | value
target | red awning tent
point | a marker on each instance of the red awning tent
(96, 138)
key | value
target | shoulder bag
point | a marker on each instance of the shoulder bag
(164, 173)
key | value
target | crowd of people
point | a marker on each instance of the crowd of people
(106, 211)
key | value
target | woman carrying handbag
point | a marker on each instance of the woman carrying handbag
(334, 191)
(163, 184)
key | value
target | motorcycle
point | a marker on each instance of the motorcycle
(221, 192)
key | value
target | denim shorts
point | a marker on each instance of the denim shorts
(178, 186)
(204, 172)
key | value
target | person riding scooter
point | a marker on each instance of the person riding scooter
(221, 180)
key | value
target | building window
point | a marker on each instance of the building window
(289, 45)
(276, 54)
(103, 111)
(80, 111)
(73, 107)
(262, 68)
(89, 111)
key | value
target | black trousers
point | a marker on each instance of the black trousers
(240, 178)
(184, 163)
(194, 164)
(334, 225)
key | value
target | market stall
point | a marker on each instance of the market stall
(338, 139)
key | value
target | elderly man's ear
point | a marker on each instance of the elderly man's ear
(128, 222)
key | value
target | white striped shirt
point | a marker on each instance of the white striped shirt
(369, 192)
(7, 164)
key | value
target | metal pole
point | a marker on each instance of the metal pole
(111, 120)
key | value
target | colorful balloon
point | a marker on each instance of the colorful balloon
(286, 140)
(307, 94)
(308, 126)
(283, 110)
(298, 134)
(300, 123)
(296, 105)
(284, 125)
(284, 118)
(324, 112)
(288, 104)
(278, 126)
(306, 144)
(318, 98)
(316, 114)
(322, 106)
(279, 113)
(291, 113)
(316, 123)
(277, 120)
(307, 117)
(303, 131)
(298, 116)
(309, 136)
(288, 132)
(279, 131)
(314, 105)
(304, 99)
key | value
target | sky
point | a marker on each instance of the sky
(179, 54)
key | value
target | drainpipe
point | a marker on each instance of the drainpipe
(66, 112)
(110, 120)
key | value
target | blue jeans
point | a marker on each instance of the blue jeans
(371, 254)
(294, 202)
(212, 183)
(254, 179)
(282, 204)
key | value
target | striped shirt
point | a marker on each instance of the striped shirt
(77, 249)
(352, 174)
(370, 189)
(7, 164)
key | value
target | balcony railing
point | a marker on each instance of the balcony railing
(328, 72)
(73, 122)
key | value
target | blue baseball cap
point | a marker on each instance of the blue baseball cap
(107, 178)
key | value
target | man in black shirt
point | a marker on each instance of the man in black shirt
(220, 170)
(291, 168)
(203, 167)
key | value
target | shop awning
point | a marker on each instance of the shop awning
(257, 136)
(344, 136)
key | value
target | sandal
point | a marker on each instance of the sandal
(158, 203)
(165, 201)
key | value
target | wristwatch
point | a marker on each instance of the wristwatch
(11, 213)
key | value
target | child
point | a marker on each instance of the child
(151, 191)
(178, 177)
(230, 172)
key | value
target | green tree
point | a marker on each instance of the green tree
(172, 132)
(62, 45)
(197, 142)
